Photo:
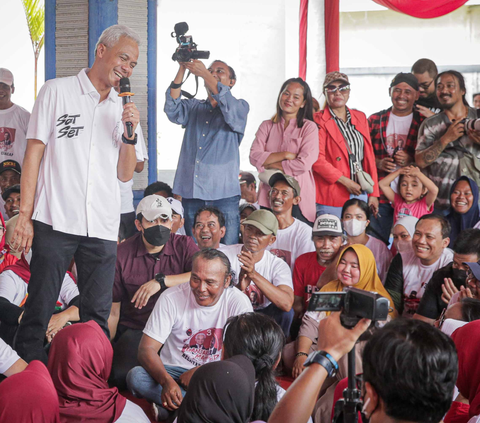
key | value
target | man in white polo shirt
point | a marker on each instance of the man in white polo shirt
(78, 144)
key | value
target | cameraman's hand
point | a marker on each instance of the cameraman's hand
(454, 132)
(197, 67)
(337, 340)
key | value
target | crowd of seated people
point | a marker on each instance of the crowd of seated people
(213, 278)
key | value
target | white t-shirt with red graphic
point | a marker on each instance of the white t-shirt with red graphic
(13, 133)
(292, 242)
(273, 269)
(191, 334)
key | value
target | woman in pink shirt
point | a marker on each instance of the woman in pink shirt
(289, 142)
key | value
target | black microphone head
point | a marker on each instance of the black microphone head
(180, 28)
(125, 85)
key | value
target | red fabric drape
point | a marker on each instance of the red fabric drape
(332, 35)
(424, 9)
(302, 71)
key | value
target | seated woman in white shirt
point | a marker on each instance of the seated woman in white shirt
(27, 395)
(13, 294)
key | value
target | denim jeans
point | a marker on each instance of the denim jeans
(337, 211)
(381, 226)
(228, 206)
(142, 385)
(283, 318)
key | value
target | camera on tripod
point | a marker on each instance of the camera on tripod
(187, 49)
(356, 304)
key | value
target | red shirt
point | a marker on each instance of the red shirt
(305, 276)
(135, 266)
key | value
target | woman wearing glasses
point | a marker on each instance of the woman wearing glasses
(344, 143)
(289, 142)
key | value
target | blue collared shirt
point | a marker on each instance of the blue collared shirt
(209, 161)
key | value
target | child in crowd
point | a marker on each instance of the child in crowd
(416, 193)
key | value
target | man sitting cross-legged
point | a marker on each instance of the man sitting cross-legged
(265, 278)
(180, 315)
(147, 264)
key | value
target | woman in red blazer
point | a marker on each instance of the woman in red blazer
(334, 177)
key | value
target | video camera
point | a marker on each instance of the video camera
(187, 49)
(356, 304)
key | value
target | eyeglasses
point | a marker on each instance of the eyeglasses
(425, 85)
(333, 89)
(442, 318)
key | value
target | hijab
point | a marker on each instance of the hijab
(467, 342)
(222, 391)
(80, 361)
(408, 222)
(468, 220)
(29, 396)
(369, 280)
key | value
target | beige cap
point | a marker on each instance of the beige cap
(264, 220)
(153, 207)
(6, 77)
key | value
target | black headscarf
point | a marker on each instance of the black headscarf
(468, 220)
(223, 391)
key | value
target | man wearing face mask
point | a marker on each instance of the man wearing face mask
(465, 250)
(147, 264)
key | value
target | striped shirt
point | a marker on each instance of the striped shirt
(354, 139)
(448, 166)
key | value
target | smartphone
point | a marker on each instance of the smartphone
(326, 301)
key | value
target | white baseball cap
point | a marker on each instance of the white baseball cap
(153, 207)
(176, 206)
(327, 225)
(6, 77)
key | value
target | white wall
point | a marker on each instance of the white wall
(379, 39)
(250, 36)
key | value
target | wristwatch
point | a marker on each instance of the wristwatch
(160, 278)
(324, 359)
(127, 141)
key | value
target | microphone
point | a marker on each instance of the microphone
(125, 94)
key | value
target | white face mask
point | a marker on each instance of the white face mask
(404, 246)
(354, 227)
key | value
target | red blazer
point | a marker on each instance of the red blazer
(333, 161)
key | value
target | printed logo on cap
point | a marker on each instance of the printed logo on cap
(327, 224)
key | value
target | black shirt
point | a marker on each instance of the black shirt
(431, 305)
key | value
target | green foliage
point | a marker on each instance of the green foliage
(35, 14)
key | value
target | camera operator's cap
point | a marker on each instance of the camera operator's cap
(10, 165)
(335, 76)
(6, 77)
(176, 206)
(9, 190)
(154, 206)
(327, 225)
(247, 178)
(271, 177)
(408, 78)
(264, 220)
(475, 268)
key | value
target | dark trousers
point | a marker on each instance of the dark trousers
(283, 318)
(125, 350)
(52, 253)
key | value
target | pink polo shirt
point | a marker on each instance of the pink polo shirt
(273, 138)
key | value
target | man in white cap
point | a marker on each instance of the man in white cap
(328, 238)
(147, 264)
(13, 121)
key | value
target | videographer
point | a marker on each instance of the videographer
(409, 372)
(209, 163)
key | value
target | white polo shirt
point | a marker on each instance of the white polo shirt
(77, 189)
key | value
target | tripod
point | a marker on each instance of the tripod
(346, 409)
